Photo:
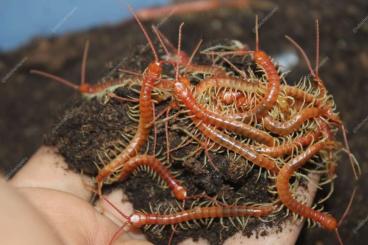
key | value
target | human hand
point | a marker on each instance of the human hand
(51, 206)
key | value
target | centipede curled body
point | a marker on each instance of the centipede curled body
(282, 186)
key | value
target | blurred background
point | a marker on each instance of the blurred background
(50, 35)
(23, 20)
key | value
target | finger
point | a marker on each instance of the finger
(74, 220)
(47, 169)
(20, 222)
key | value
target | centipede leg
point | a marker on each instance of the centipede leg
(122, 99)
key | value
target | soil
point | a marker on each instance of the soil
(31, 107)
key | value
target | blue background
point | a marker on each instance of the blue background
(21, 20)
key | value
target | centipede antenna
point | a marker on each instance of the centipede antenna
(172, 234)
(84, 62)
(242, 73)
(56, 78)
(117, 233)
(257, 34)
(179, 49)
(338, 237)
(166, 40)
(348, 207)
(195, 51)
(145, 33)
(307, 61)
(114, 207)
(317, 48)
(130, 72)
(160, 39)
(180, 37)
(346, 143)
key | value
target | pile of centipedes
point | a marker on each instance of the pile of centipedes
(240, 105)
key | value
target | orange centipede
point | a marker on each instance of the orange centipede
(242, 149)
(287, 148)
(280, 128)
(226, 82)
(323, 91)
(139, 219)
(155, 164)
(241, 84)
(273, 85)
(314, 73)
(183, 94)
(150, 76)
(282, 186)
(293, 124)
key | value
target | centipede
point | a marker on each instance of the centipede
(183, 93)
(150, 76)
(273, 85)
(152, 162)
(242, 110)
(138, 219)
(282, 185)
(201, 113)
(242, 149)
